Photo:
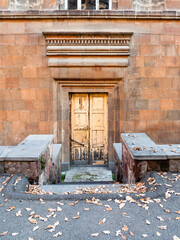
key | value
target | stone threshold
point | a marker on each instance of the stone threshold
(88, 174)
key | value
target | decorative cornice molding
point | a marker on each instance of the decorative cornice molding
(88, 42)
(108, 49)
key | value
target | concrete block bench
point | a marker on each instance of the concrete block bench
(140, 155)
(34, 158)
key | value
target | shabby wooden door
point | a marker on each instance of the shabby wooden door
(88, 129)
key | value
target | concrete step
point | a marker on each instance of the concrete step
(88, 174)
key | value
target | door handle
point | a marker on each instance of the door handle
(72, 140)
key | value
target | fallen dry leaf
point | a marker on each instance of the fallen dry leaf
(148, 222)
(160, 219)
(166, 210)
(28, 209)
(86, 209)
(43, 219)
(48, 227)
(31, 220)
(60, 203)
(35, 228)
(123, 237)
(15, 234)
(162, 227)
(6, 200)
(118, 232)
(94, 234)
(125, 228)
(51, 210)
(176, 238)
(109, 209)
(131, 233)
(59, 209)
(144, 235)
(3, 234)
(158, 234)
(66, 219)
(19, 214)
(106, 232)
(57, 234)
(10, 209)
(71, 204)
(102, 221)
(121, 205)
(178, 212)
(177, 218)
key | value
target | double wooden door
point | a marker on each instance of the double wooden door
(89, 128)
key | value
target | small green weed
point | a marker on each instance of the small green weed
(63, 177)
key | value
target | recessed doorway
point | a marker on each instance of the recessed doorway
(89, 128)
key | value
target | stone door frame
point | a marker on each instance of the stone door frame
(89, 62)
(61, 112)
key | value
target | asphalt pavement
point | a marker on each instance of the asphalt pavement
(152, 215)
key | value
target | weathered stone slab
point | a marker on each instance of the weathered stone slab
(142, 147)
(30, 149)
(171, 151)
(4, 150)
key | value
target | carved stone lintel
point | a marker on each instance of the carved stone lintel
(85, 49)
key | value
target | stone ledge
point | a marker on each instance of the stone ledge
(141, 147)
(172, 151)
(4, 150)
(30, 149)
(57, 14)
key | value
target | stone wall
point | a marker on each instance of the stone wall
(149, 90)
(173, 4)
(31, 170)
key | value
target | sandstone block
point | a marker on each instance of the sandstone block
(173, 115)
(174, 165)
(4, 4)
(142, 168)
(166, 104)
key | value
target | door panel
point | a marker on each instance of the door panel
(79, 129)
(89, 129)
(98, 128)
